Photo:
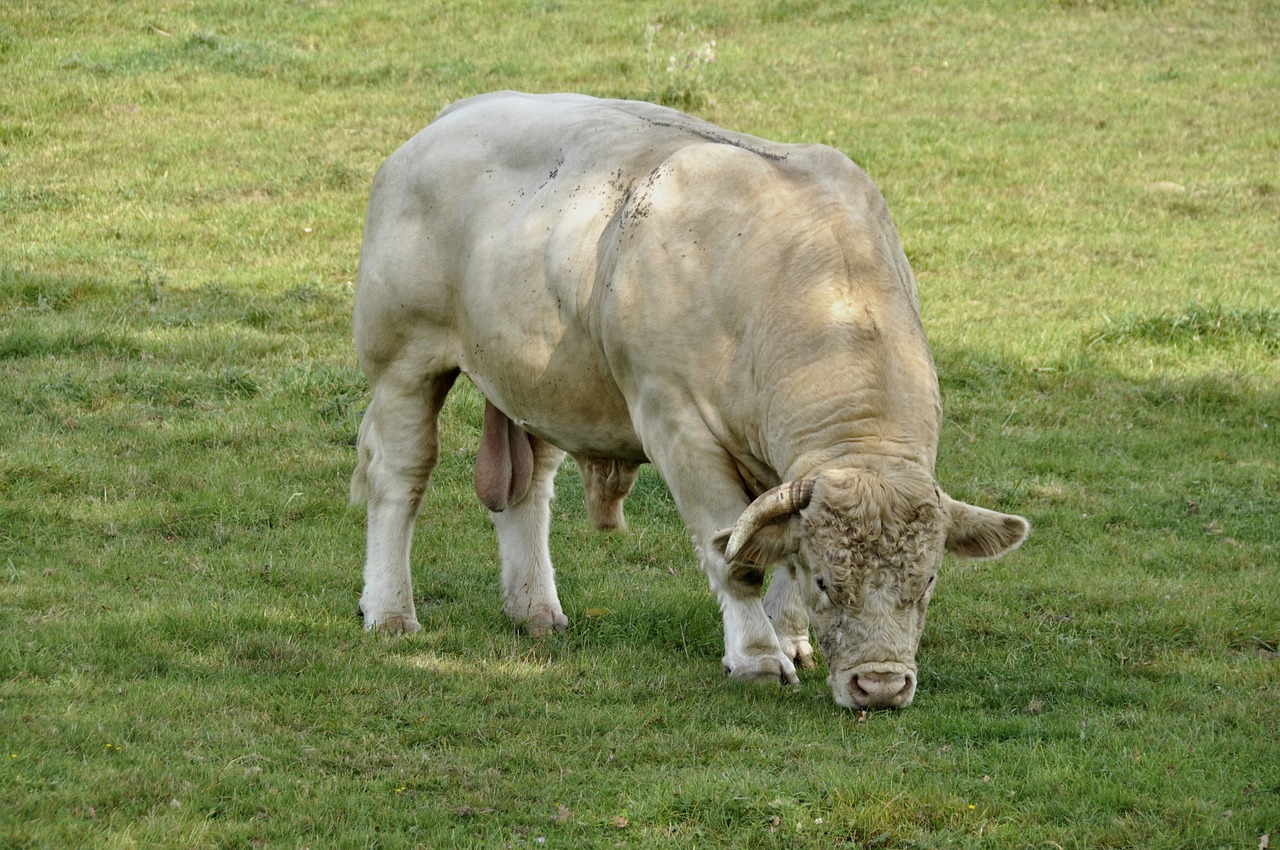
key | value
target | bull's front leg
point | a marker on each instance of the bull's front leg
(752, 651)
(784, 605)
(708, 491)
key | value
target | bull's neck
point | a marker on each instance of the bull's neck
(860, 383)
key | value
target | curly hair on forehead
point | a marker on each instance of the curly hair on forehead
(876, 520)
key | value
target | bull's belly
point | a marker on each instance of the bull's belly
(570, 402)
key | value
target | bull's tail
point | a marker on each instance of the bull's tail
(364, 449)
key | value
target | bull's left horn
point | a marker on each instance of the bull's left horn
(782, 501)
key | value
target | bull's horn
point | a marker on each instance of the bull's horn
(783, 500)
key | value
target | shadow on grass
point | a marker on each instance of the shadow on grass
(1154, 503)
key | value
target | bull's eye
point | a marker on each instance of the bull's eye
(928, 585)
(822, 585)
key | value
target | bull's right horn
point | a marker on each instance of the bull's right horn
(783, 500)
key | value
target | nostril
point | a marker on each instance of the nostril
(881, 690)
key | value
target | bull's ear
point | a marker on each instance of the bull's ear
(979, 533)
(767, 545)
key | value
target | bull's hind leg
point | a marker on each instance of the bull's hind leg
(515, 478)
(398, 448)
(607, 481)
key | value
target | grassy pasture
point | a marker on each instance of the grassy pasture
(1090, 195)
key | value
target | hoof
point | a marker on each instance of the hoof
(540, 626)
(776, 669)
(392, 624)
(543, 622)
(799, 650)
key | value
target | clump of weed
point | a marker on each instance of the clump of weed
(151, 285)
(233, 383)
(677, 63)
(1197, 324)
(33, 342)
(245, 58)
(304, 293)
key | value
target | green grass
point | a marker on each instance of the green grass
(1090, 196)
(1212, 324)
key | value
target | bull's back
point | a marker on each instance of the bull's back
(539, 244)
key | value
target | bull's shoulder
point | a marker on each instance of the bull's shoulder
(799, 190)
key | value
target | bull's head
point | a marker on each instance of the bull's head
(865, 545)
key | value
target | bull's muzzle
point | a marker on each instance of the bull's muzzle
(879, 686)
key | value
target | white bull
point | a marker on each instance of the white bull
(626, 283)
